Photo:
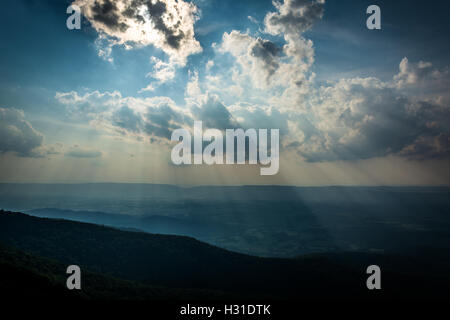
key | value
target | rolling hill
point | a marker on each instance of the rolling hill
(183, 263)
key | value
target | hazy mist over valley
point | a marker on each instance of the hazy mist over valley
(270, 221)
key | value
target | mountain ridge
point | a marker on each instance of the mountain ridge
(185, 263)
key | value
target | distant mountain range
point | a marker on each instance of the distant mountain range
(120, 264)
(147, 223)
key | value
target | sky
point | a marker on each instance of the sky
(354, 106)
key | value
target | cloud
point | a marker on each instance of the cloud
(269, 65)
(78, 152)
(88, 105)
(213, 113)
(429, 147)
(162, 71)
(422, 75)
(148, 88)
(363, 118)
(150, 118)
(140, 118)
(356, 118)
(252, 19)
(128, 119)
(267, 53)
(209, 65)
(192, 87)
(258, 58)
(293, 17)
(166, 24)
(263, 117)
(18, 136)
(255, 82)
(162, 118)
(413, 73)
